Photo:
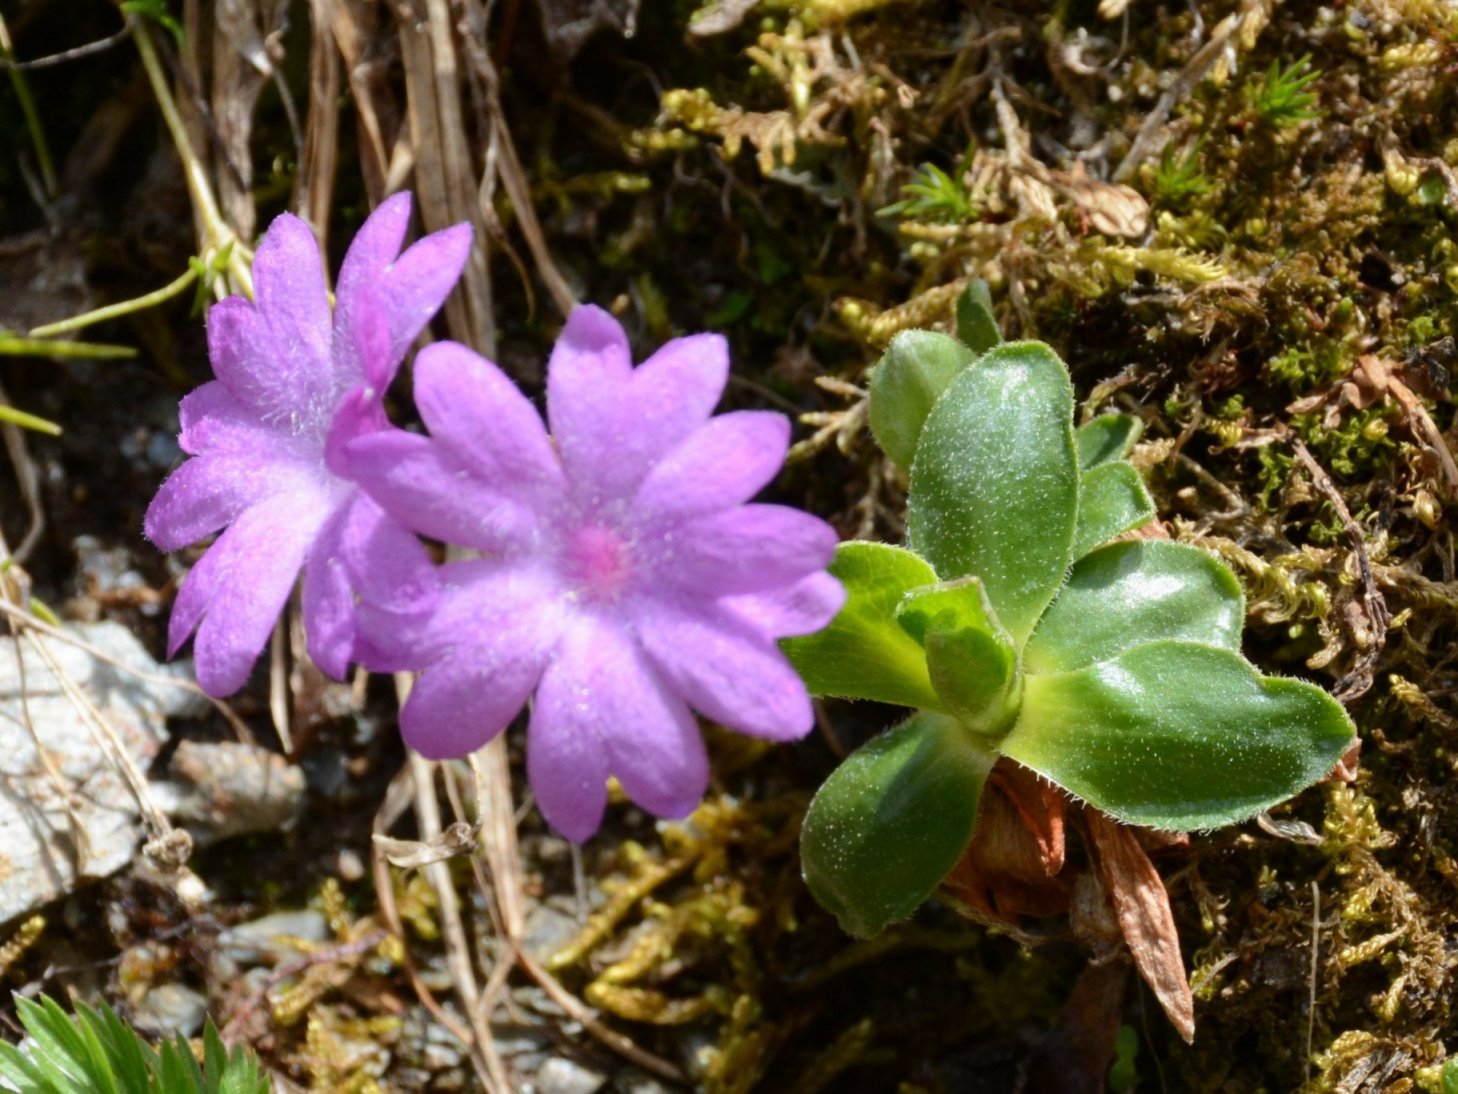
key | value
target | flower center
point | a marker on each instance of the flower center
(598, 562)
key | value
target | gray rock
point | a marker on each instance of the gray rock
(53, 837)
(560, 1075)
(227, 788)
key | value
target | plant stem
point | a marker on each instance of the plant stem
(32, 119)
(218, 234)
(28, 421)
(39, 347)
(124, 307)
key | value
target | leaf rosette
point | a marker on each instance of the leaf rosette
(1016, 624)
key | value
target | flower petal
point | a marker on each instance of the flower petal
(292, 301)
(476, 412)
(363, 554)
(804, 607)
(388, 567)
(726, 669)
(418, 282)
(461, 598)
(290, 394)
(748, 549)
(567, 754)
(237, 461)
(676, 389)
(216, 422)
(245, 358)
(461, 701)
(328, 601)
(370, 253)
(724, 462)
(601, 689)
(568, 772)
(203, 495)
(502, 623)
(361, 412)
(587, 382)
(419, 482)
(633, 422)
(360, 357)
(239, 587)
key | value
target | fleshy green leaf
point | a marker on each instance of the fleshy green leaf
(970, 657)
(976, 325)
(864, 653)
(1178, 735)
(1130, 594)
(1111, 499)
(912, 374)
(892, 820)
(994, 487)
(1106, 438)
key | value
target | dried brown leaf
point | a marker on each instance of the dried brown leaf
(1142, 907)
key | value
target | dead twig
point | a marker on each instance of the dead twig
(1311, 975)
(396, 801)
(319, 160)
(90, 49)
(578, 1012)
(1152, 133)
(488, 1063)
(28, 479)
(1358, 681)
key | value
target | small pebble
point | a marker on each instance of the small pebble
(563, 1076)
(264, 939)
(169, 1009)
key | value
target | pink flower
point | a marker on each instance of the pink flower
(294, 383)
(623, 579)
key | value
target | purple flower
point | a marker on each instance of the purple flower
(623, 579)
(294, 384)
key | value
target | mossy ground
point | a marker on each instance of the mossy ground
(1217, 212)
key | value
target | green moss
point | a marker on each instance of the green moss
(1304, 368)
(1357, 448)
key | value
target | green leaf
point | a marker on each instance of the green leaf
(129, 1056)
(864, 653)
(94, 1051)
(182, 1062)
(175, 1072)
(1178, 735)
(1111, 499)
(1130, 594)
(21, 1073)
(911, 375)
(58, 1046)
(1106, 438)
(215, 1059)
(970, 657)
(994, 487)
(976, 325)
(892, 820)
